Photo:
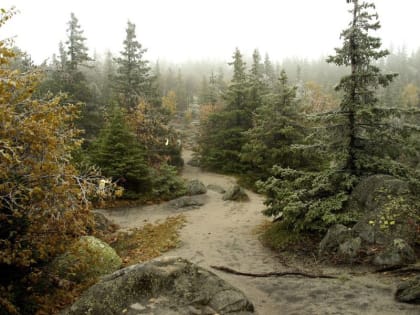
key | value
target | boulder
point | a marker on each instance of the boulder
(171, 286)
(383, 205)
(102, 224)
(336, 235)
(409, 291)
(87, 258)
(186, 202)
(397, 253)
(216, 188)
(195, 187)
(195, 161)
(350, 248)
(235, 193)
(368, 233)
(372, 193)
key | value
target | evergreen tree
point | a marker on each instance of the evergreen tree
(133, 80)
(276, 128)
(76, 48)
(362, 125)
(222, 136)
(359, 142)
(120, 156)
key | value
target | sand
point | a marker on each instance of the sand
(223, 233)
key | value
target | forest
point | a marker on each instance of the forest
(330, 146)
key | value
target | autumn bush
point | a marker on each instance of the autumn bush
(44, 200)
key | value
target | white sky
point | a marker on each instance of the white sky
(178, 30)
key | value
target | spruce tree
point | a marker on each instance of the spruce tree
(120, 156)
(363, 123)
(133, 80)
(76, 47)
(356, 141)
(222, 135)
(276, 128)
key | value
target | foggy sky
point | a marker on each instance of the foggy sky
(179, 30)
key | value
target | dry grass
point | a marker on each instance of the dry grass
(148, 242)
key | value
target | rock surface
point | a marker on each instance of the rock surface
(216, 188)
(87, 258)
(397, 253)
(187, 202)
(409, 291)
(170, 286)
(235, 193)
(336, 235)
(195, 187)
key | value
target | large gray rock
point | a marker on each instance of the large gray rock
(382, 204)
(169, 286)
(235, 193)
(368, 233)
(372, 193)
(336, 235)
(397, 253)
(350, 248)
(85, 259)
(187, 202)
(409, 291)
(195, 187)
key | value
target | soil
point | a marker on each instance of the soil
(223, 233)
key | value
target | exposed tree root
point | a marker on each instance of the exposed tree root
(273, 273)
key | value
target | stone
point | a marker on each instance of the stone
(336, 235)
(371, 193)
(195, 187)
(162, 286)
(377, 201)
(397, 253)
(409, 291)
(368, 233)
(87, 258)
(235, 193)
(350, 248)
(216, 188)
(187, 202)
(102, 224)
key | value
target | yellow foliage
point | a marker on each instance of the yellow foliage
(316, 100)
(43, 199)
(169, 102)
(410, 96)
(149, 241)
(207, 109)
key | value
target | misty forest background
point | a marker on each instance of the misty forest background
(83, 127)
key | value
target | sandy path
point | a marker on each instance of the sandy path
(221, 233)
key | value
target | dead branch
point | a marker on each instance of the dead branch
(272, 274)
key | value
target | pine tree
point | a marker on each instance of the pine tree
(133, 80)
(76, 48)
(276, 128)
(120, 156)
(363, 126)
(222, 136)
(358, 140)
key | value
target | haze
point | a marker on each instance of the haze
(197, 29)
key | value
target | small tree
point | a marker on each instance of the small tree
(120, 156)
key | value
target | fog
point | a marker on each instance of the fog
(200, 29)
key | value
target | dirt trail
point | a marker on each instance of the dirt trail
(222, 233)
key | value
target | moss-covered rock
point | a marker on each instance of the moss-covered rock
(163, 286)
(87, 258)
(235, 193)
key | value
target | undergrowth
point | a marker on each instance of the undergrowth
(148, 242)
